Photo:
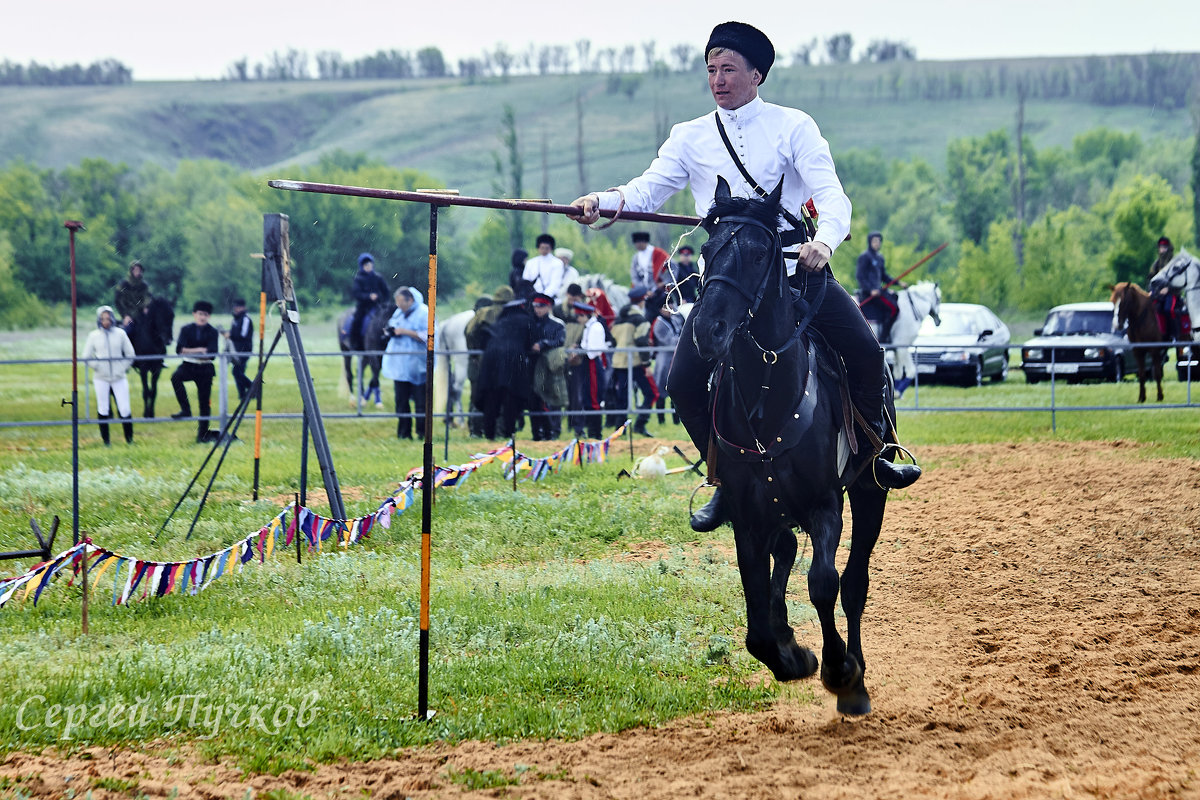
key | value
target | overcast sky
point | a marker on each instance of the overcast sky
(165, 40)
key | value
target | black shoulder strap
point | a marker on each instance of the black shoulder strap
(787, 215)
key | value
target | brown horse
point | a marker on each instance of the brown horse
(1136, 310)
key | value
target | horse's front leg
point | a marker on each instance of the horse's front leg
(150, 390)
(840, 671)
(1159, 356)
(785, 659)
(348, 365)
(800, 661)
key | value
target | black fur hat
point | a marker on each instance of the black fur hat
(747, 40)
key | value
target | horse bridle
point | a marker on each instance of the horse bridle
(730, 235)
(933, 310)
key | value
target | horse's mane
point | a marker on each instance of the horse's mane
(765, 212)
(1123, 285)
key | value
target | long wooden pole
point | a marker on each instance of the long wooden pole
(427, 488)
(72, 226)
(444, 199)
(436, 198)
(900, 277)
(258, 419)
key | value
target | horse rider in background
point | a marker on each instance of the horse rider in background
(878, 301)
(754, 144)
(133, 295)
(1167, 304)
(368, 290)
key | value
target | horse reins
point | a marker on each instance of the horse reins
(770, 356)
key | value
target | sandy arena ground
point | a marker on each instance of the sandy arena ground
(1033, 630)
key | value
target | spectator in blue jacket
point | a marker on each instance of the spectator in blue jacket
(404, 359)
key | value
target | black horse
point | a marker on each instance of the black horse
(373, 340)
(150, 333)
(778, 416)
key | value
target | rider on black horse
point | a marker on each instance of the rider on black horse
(132, 296)
(369, 290)
(755, 144)
(877, 301)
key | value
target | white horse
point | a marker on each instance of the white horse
(450, 373)
(618, 295)
(915, 303)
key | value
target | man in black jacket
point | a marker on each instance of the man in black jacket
(878, 303)
(241, 336)
(197, 343)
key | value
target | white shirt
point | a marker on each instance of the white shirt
(772, 141)
(549, 274)
(593, 341)
(641, 269)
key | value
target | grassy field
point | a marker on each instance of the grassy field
(579, 603)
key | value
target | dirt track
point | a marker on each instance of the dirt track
(1033, 631)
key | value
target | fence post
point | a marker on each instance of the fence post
(1053, 411)
(222, 388)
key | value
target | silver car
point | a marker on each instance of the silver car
(970, 345)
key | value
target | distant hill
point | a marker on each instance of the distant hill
(449, 127)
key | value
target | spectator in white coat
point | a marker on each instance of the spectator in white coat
(109, 354)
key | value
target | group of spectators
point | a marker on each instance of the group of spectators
(545, 346)
(109, 353)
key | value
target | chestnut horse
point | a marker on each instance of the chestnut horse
(1135, 309)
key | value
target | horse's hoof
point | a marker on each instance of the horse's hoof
(855, 703)
(787, 662)
(805, 662)
(844, 681)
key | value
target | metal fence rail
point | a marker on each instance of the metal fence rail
(224, 404)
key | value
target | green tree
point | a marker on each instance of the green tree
(329, 231)
(987, 272)
(510, 174)
(488, 256)
(1140, 212)
(431, 62)
(979, 177)
(18, 308)
(220, 237)
(1065, 260)
(1196, 184)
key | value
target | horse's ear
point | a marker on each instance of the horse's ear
(776, 194)
(723, 192)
